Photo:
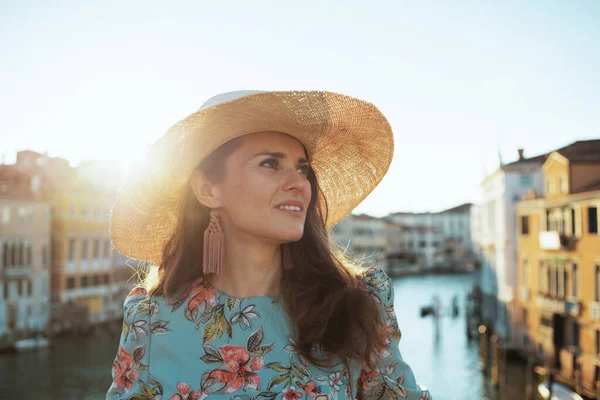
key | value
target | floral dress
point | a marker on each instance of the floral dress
(206, 344)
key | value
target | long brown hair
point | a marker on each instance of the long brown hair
(321, 293)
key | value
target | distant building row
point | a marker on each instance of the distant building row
(57, 266)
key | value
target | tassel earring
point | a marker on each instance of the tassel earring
(286, 257)
(214, 246)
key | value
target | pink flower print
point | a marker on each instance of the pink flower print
(292, 394)
(184, 393)
(241, 370)
(123, 371)
(311, 388)
(200, 295)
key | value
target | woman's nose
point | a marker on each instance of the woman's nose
(295, 180)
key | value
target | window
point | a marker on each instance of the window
(573, 221)
(550, 186)
(562, 184)
(422, 244)
(106, 248)
(70, 282)
(574, 334)
(592, 219)
(21, 254)
(28, 259)
(105, 280)
(96, 280)
(526, 180)
(71, 249)
(29, 288)
(561, 277)
(84, 281)
(84, 249)
(557, 291)
(96, 248)
(5, 258)
(550, 273)
(574, 281)
(525, 225)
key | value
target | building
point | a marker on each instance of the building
(81, 269)
(437, 238)
(426, 243)
(559, 266)
(24, 255)
(496, 239)
(363, 237)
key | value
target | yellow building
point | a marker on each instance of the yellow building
(82, 272)
(559, 267)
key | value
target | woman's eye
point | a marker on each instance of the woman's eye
(269, 163)
(304, 169)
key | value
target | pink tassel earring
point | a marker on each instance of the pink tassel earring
(214, 246)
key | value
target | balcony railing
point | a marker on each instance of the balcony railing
(551, 305)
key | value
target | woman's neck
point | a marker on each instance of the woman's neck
(250, 270)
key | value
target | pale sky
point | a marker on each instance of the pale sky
(459, 81)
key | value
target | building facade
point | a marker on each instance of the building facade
(364, 237)
(82, 289)
(496, 240)
(25, 256)
(437, 238)
(559, 267)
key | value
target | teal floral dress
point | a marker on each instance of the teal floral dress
(205, 344)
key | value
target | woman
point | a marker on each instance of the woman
(249, 299)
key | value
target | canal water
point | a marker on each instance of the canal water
(79, 367)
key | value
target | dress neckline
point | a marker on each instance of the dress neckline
(220, 293)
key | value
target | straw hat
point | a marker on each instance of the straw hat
(349, 141)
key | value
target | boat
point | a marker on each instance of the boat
(559, 392)
(38, 342)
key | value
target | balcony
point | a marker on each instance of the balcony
(21, 271)
(553, 240)
(524, 293)
(551, 305)
(595, 310)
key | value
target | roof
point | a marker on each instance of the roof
(463, 208)
(579, 151)
(591, 187)
(582, 151)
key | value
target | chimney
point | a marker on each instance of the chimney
(521, 158)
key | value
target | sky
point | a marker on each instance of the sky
(462, 83)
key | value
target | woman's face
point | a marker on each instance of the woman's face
(266, 171)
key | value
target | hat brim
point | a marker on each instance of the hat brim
(349, 141)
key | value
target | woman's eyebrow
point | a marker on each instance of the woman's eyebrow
(276, 154)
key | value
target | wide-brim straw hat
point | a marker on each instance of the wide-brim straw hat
(349, 142)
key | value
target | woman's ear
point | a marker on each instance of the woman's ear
(204, 190)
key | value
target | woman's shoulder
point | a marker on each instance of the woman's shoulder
(377, 282)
